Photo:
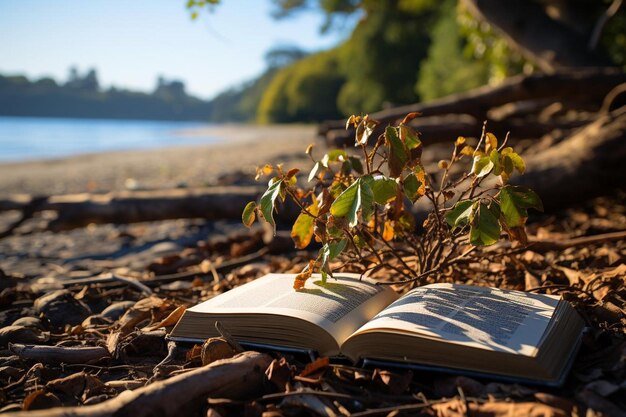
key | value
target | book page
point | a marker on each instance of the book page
(340, 306)
(487, 318)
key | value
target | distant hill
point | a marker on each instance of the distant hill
(82, 97)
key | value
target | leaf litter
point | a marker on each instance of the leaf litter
(115, 332)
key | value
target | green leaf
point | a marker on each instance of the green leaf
(516, 160)
(336, 188)
(484, 226)
(268, 201)
(409, 136)
(329, 252)
(398, 155)
(460, 213)
(384, 189)
(411, 187)
(494, 156)
(335, 248)
(248, 215)
(515, 202)
(317, 168)
(482, 166)
(334, 156)
(356, 164)
(358, 197)
(364, 130)
(302, 230)
(507, 165)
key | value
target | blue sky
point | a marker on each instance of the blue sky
(131, 42)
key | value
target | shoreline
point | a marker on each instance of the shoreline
(241, 149)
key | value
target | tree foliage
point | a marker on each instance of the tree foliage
(303, 91)
(359, 206)
(82, 96)
(403, 51)
(382, 56)
(449, 66)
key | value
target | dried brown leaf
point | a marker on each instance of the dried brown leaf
(300, 279)
(280, 373)
(316, 365)
(216, 348)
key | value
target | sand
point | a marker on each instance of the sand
(243, 148)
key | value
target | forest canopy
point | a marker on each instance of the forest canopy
(404, 51)
(399, 52)
(82, 96)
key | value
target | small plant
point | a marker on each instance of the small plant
(361, 206)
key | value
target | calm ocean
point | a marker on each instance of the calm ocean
(28, 138)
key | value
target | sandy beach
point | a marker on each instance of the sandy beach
(243, 148)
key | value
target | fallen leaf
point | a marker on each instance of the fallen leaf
(316, 365)
(300, 279)
(280, 373)
(78, 385)
(40, 400)
(170, 320)
(216, 348)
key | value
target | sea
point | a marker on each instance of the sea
(34, 138)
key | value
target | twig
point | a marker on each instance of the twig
(560, 287)
(228, 337)
(432, 270)
(387, 410)
(238, 377)
(132, 282)
(28, 212)
(85, 354)
(158, 280)
(547, 245)
(599, 26)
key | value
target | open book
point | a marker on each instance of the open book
(476, 329)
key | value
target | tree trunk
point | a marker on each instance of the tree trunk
(588, 163)
(543, 40)
(590, 86)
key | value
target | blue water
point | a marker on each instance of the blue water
(28, 138)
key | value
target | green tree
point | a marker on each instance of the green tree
(304, 91)
(447, 68)
(383, 54)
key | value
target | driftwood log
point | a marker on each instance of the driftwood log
(526, 106)
(78, 210)
(588, 163)
(239, 377)
(59, 354)
(584, 164)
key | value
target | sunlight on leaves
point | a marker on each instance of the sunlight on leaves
(248, 215)
(384, 189)
(491, 142)
(358, 197)
(398, 155)
(364, 130)
(482, 166)
(515, 202)
(484, 226)
(459, 215)
(268, 201)
(302, 230)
